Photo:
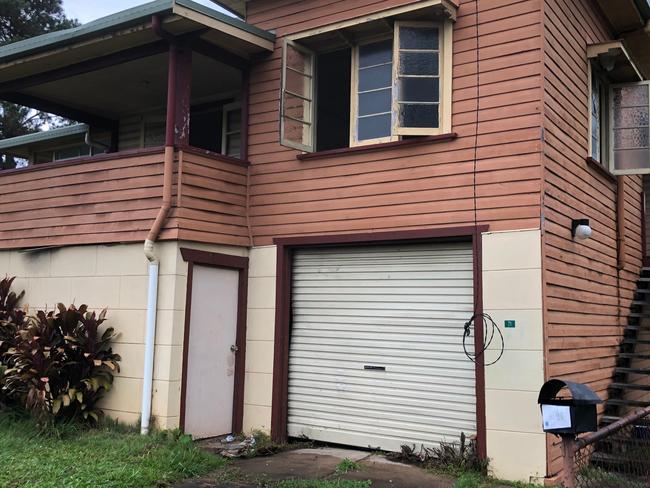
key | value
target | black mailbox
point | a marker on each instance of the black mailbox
(565, 416)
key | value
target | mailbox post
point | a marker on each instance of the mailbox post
(568, 417)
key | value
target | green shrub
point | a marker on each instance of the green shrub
(56, 366)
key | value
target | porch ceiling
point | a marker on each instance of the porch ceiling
(115, 65)
(135, 87)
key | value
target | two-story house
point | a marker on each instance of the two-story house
(292, 212)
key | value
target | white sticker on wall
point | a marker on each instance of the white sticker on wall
(556, 417)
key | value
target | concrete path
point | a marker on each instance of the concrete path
(320, 464)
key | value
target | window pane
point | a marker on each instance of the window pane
(422, 116)
(631, 138)
(418, 63)
(375, 77)
(233, 120)
(632, 159)
(631, 96)
(297, 108)
(376, 53)
(418, 38)
(631, 117)
(375, 102)
(419, 90)
(296, 132)
(298, 61)
(233, 144)
(374, 127)
(298, 84)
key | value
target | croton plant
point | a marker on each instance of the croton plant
(56, 365)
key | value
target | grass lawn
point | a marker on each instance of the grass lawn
(107, 457)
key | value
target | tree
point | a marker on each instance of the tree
(22, 19)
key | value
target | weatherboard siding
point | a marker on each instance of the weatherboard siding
(105, 200)
(116, 198)
(586, 299)
(211, 205)
(424, 186)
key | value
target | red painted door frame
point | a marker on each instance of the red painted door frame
(285, 250)
(217, 260)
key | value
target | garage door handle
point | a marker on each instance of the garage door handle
(375, 368)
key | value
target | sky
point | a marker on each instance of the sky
(87, 10)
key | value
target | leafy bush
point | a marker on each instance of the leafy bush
(56, 366)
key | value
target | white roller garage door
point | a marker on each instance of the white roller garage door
(376, 355)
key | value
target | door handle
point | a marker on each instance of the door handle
(234, 348)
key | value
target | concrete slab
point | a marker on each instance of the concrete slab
(389, 474)
(321, 463)
(351, 454)
(290, 464)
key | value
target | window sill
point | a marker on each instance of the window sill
(596, 165)
(377, 147)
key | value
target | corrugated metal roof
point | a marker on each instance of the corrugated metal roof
(116, 21)
(43, 136)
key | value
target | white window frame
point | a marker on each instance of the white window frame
(354, 95)
(610, 130)
(445, 60)
(605, 107)
(309, 129)
(229, 107)
(442, 49)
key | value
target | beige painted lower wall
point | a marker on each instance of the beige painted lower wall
(512, 290)
(260, 334)
(116, 277)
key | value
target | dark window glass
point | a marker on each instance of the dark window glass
(374, 127)
(414, 115)
(418, 63)
(376, 53)
(375, 102)
(375, 77)
(418, 38)
(418, 90)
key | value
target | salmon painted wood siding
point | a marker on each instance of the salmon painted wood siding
(211, 204)
(99, 200)
(586, 299)
(116, 197)
(408, 187)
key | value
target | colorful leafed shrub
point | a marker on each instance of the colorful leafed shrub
(57, 365)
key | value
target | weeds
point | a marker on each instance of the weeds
(346, 466)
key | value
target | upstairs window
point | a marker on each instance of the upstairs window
(630, 128)
(380, 82)
(619, 111)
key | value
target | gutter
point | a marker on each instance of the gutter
(149, 243)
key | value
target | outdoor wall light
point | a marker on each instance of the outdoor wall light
(580, 229)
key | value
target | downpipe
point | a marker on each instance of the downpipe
(150, 338)
(149, 243)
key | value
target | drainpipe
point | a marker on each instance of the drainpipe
(149, 247)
